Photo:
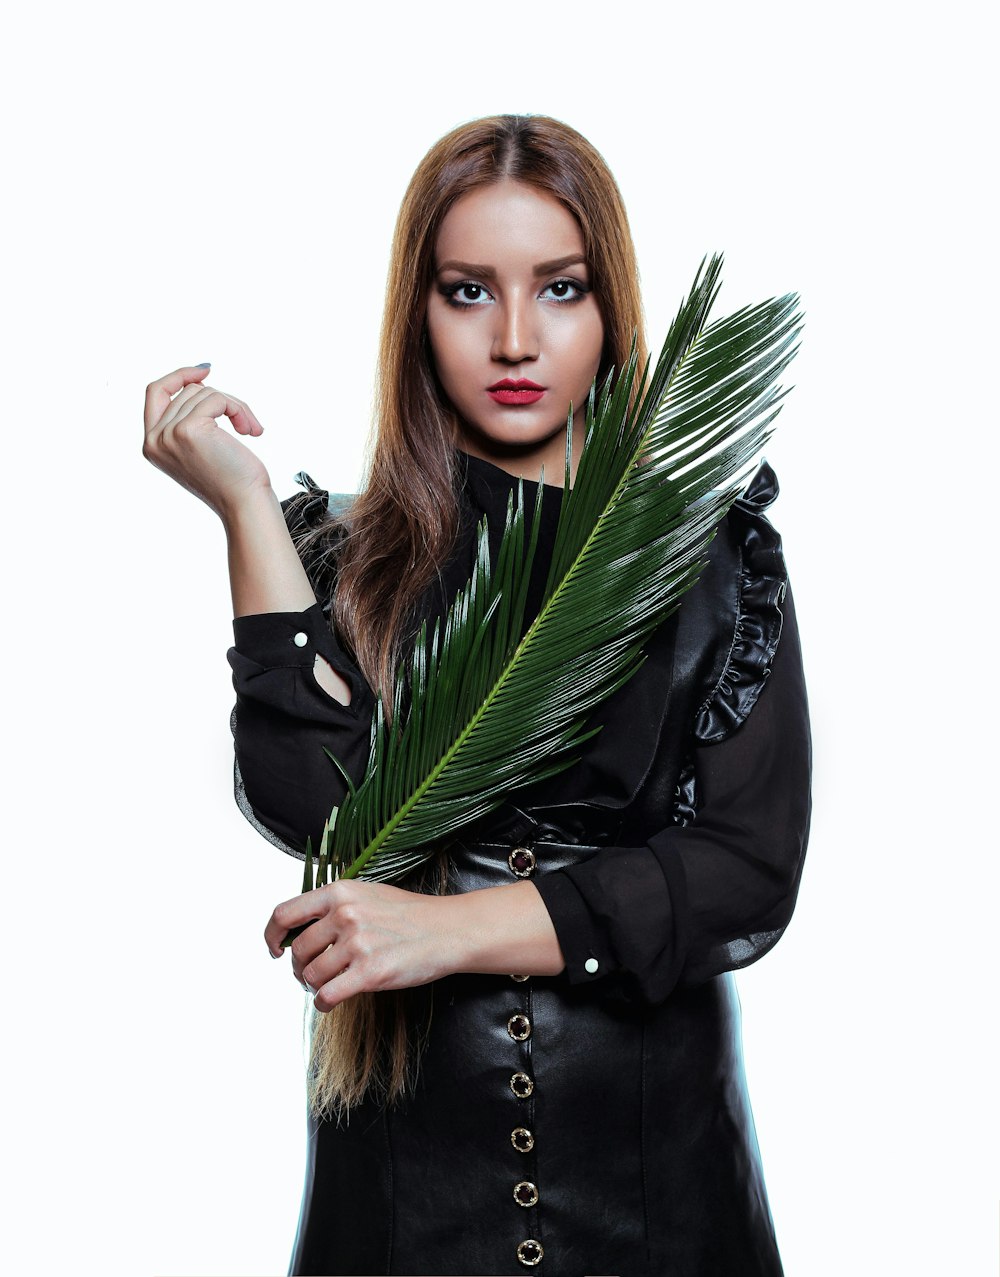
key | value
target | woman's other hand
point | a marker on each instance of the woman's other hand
(185, 442)
(368, 936)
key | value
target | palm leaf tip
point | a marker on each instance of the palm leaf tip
(658, 471)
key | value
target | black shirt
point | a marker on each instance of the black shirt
(687, 886)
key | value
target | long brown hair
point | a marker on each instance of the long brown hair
(400, 530)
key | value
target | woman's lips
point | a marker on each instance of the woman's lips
(513, 393)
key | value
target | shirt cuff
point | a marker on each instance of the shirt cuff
(587, 960)
(622, 909)
(291, 640)
(279, 639)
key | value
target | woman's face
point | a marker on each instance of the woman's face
(515, 330)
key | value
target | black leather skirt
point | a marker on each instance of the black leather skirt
(551, 1131)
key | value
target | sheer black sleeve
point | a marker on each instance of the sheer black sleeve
(713, 895)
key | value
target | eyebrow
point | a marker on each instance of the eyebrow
(489, 272)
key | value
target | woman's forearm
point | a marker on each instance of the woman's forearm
(265, 573)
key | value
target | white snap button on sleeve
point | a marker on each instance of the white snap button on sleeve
(300, 640)
(591, 965)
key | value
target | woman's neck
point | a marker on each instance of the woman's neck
(546, 463)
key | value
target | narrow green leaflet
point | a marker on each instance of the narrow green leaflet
(491, 710)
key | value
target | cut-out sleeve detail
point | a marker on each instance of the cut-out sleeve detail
(763, 580)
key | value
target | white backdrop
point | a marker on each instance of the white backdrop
(219, 181)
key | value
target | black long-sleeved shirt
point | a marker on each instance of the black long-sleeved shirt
(712, 887)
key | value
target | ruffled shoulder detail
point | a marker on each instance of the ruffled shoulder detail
(305, 513)
(762, 581)
(315, 505)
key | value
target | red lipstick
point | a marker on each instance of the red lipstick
(512, 392)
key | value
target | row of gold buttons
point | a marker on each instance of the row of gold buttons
(529, 1252)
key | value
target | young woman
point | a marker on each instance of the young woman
(529, 1057)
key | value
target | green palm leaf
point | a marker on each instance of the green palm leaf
(491, 710)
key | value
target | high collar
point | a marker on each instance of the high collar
(488, 486)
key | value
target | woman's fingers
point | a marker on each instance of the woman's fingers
(338, 941)
(363, 936)
(207, 401)
(316, 956)
(200, 409)
(345, 985)
(294, 913)
(329, 965)
(159, 392)
(181, 396)
(317, 971)
(245, 422)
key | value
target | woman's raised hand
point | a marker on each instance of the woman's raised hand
(185, 442)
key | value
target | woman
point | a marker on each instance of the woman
(588, 1112)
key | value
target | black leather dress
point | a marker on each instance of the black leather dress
(596, 1122)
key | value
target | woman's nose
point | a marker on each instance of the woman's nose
(515, 337)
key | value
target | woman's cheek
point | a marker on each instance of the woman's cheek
(453, 349)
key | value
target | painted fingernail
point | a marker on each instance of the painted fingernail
(208, 365)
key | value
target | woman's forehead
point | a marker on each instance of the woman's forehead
(508, 224)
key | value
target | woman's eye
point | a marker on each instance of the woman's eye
(564, 290)
(467, 294)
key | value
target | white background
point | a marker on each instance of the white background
(219, 181)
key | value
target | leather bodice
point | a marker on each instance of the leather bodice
(549, 1130)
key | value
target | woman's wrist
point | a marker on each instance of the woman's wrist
(248, 506)
(501, 930)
